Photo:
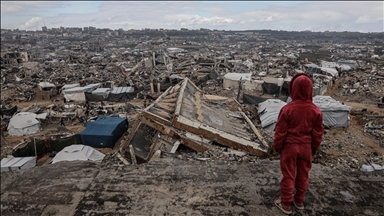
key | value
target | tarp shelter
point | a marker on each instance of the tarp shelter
(231, 80)
(23, 123)
(77, 93)
(335, 114)
(104, 92)
(104, 132)
(78, 152)
(45, 86)
(123, 93)
(10, 164)
(331, 71)
(69, 86)
(269, 112)
(252, 99)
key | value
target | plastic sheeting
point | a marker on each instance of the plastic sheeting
(104, 132)
(78, 152)
(335, 114)
(270, 88)
(269, 111)
(8, 112)
(251, 99)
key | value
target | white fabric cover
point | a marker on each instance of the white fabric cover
(119, 90)
(23, 123)
(10, 164)
(80, 96)
(78, 152)
(269, 112)
(335, 114)
(231, 79)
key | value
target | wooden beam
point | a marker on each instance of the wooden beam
(157, 118)
(160, 112)
(220, 136)
(171, 100)
(258, 134)
(173, 133)
(130, 136)
(158, 99)
(180, 98)
(166, 107)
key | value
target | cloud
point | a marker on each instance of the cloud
(319, 16)
(268, 19)
(31, 24)
(363, 19)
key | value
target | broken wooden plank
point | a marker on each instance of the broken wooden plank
(220, 136)
(122, 159)
(173, 95)
(157, 118)
(214, 97)
(174, 134)
(173, 105)
(158, 99)
(160, 112)
(166, 107)
(171, 100)
(180, 97)
(258, 134)
(174, 148)
(133, 156)
(130, 136)
(155, 155)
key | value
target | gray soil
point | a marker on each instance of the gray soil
(174, 186)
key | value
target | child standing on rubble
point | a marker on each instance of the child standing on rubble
(298, 135)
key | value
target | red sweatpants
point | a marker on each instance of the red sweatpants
(295, 163)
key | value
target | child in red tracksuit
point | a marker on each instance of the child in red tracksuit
(298, 135)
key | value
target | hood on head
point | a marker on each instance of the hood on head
(300, 87)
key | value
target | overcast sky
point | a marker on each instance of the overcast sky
(361, 16)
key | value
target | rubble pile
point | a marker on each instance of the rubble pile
(175, 90)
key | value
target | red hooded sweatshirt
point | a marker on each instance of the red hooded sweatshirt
(300, 121)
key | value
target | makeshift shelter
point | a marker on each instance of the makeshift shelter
(10, 164)
(78, 152)
(269, 112)
(231, 80)
(335, 114)
(78, 93)
(69, 86)
(123, 93)
(104, 132)
(23, 123)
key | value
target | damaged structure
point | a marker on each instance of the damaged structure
(182, 115)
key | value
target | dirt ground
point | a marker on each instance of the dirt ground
(176, 186)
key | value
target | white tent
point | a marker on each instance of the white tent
(102, 91)
(23, 123)
(78, 152)
(10, 164)
(69, 86)
(335, 114)
(77, 93)
(232, 79)
(269, 112)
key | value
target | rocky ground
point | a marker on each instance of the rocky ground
(174, 186)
